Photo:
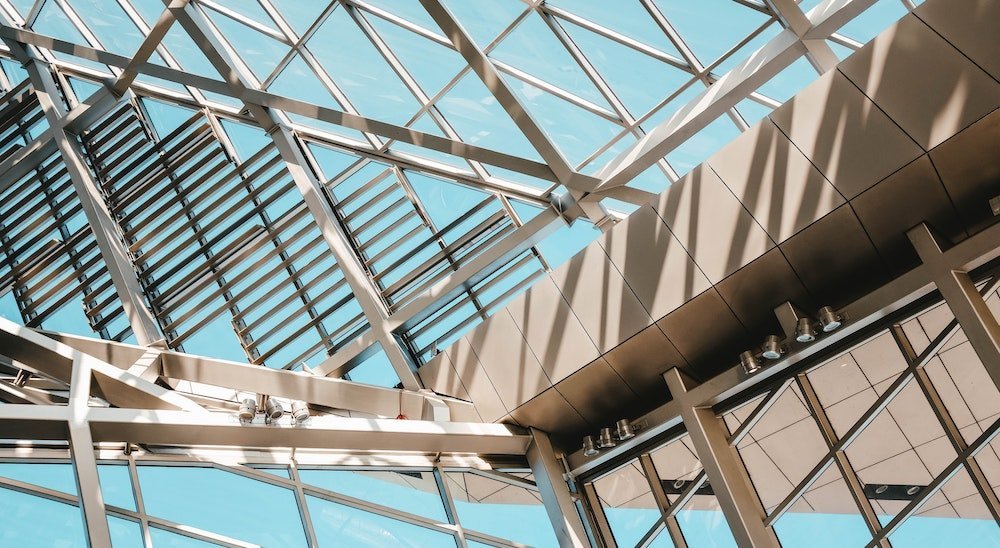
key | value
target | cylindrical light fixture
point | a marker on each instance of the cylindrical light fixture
(606, 440)
(272, 411)
(829, 319)
(749, 362)
(772, 349)
(589, 449)
(804, 331)
(624, 430)
(248, 410)
(300, 411)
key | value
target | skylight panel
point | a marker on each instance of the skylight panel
(484, 20)
(109, 23)
(631, 19)
(300, 15)
(260, 52)
(431, 64)
(711, 27)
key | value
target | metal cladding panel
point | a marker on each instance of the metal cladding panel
(605, 304)
(552, 330)
(549, 411)
(653, 262)
(834, 249)
(484, 395)
(852, 142)
(506, 358)
(922, 82)
(754, 291)
(595, 391)
(773, 180)
(707, 333)
(886, 222)
(712, 224)
(643, 359)
(968, 166)
(439, 375)
(970, 26)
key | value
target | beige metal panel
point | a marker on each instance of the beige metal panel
(643, 359)
(505, 357)
(886, 220)
(549, 411)
(968, 166)
(475, 380)
(970, 26)
(754, 291)
(711, 224)
(850, 140)
(552, 330)
(653, 262)
(439, 375)
(775, 182)
(604, 303)
(923, 83)
(831, 250)
(597, 391)
(707, 333)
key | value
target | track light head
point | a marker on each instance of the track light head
(749, 362)
(624, 430)
(772, 349)
(589, 449)
(804, 331)
(606, 440)
(829, 319)
(300, 411)
(273, 411)
(248, 410)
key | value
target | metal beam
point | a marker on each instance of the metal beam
(81, 447)
(729, 479)
(559, 505)
(964, 300)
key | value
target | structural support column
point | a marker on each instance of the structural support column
(962, 297)
(81, 445)
(559, 505)
(727, 475)
(102, 224)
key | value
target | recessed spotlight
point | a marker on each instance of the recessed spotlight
(829, 319)
(804, 331)
(606, 440)
(749, 362)
(772, 349)
(881, 489)
(913, 490)
(624, 430)
(248, 410)
(272, 411)
(300, 411)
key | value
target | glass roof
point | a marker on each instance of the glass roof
(432, 150)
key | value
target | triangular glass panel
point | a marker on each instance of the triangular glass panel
(576, 132)
(298, 81)
(484, 20)
(53, 21)
(627, 18)
(250, 10)
(409, 10)
(711, 27)
(300, 15)
(431, 64)
(260, 52)
(360, 71)
(639, 80)
(443, 201)
(165, 116)
(108, 21)
(479, 119)
(533, 48)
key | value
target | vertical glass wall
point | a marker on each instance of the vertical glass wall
(890, 440)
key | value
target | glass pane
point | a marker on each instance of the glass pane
(222, 502)
(955, 516)
(116, 485)
(500, 509)
(628, 503)
(826, 516)
(413, 492)
(21, 514)
(703, 524)
(125, 533)
(340, 525)
(167, 539)
(58, 477)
